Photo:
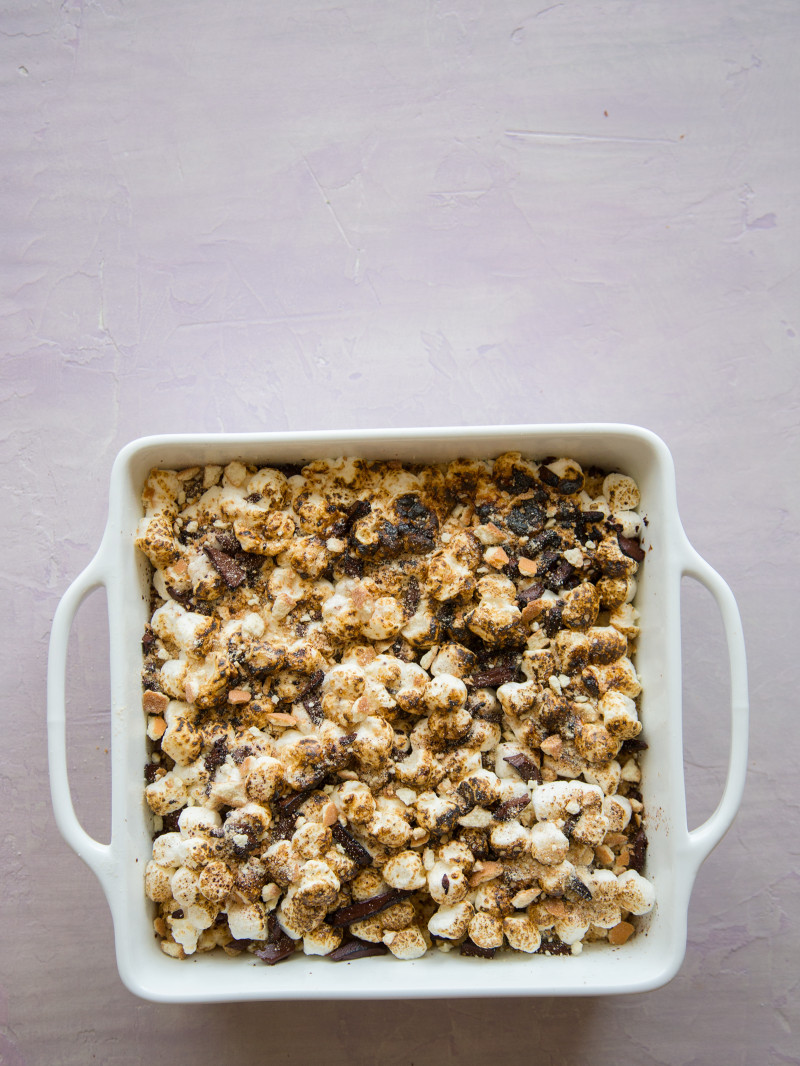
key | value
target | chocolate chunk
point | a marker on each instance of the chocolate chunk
(571, 581)
(592, 517)
(511, 569)
(150, 769)
(276, 935)
(590, 684)
(525, 518)
(344, 525)
(553, 947)
(274, 953)
(418, 526)
(356, 949)
(313, 707)
(337, 756)
(226, 566)
(563, 486)
(355, 851)
(310, 697)
(533, 592)
(569, 825)
(511, 808)
(525, 767)
(401, 649)
(216, 757)
(283, 828)
(183, 598)
(498, 675)
(637, 849)
(631, 548)
(279, 946)
(549, 478)
(250, 562)
(549, 540)
(148, 640)
(389, 544)
(551, 621)
(226, 541)
(315, 681)
(169, 823)
(178, 914)
(559, 574)
(485, 512)
(411, 596)
(240, 945)
(469, 947)
(289, 804)
(634, 745)
(579, 888)
(520, 482)
(366, 908)
(351, 566)
(547, 561)
(254, 497)
(445, 883)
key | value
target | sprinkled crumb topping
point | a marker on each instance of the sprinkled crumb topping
(393, 708)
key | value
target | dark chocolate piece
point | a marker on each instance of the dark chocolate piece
(469, 947)
(274, 953)
(418, 526)
(342, 527)
(634, 745)
(216, 757)
(226, 541)
(183, 598)
(351, 566)
(411, 596)
(579, 888)
(562, 485)
(559, 574)
(525, 767)
(637, 849)
(525, 518)
(289, 804)
(533, 592)
(511, 808)
(356, 949)
(351, 846)
(553, 947)
(631, 548)
(498, 675)
(551, 621)
(170, 821)
(310, 697)
(226, 566)
(356, 912)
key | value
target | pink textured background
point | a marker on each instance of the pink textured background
(246, 215)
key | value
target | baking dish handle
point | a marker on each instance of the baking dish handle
(98, 857)
(705, 838)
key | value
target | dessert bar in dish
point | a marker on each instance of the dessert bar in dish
(393, 708)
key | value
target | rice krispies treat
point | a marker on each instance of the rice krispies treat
(393, 707)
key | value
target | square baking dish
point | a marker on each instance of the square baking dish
(648, 961)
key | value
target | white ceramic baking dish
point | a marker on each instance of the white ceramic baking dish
(651, 959)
